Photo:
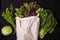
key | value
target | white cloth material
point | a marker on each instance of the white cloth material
(27, 28)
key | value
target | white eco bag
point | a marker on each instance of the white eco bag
(27, 28)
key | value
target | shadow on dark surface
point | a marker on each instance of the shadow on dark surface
(48, 4)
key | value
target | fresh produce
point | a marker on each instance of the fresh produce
(7, 15)
(48, 22)
(26, 10)
(20, 12)
(6, 30)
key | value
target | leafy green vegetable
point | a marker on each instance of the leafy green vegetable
(48, 22)
(20, 12)
(7, 15)
(6, 30)
(26, 10)
(26, 5)
(54, 23)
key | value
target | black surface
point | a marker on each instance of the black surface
(48, 4)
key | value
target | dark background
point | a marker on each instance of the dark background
(48, 4)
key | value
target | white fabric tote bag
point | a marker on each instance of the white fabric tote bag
(27, 28)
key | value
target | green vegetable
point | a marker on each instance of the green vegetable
(48, 22)
(7, 15)
(26, 5)
(20, 12)
(6, 30)
(54, 23)
(45, 26)
(25, 10)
